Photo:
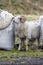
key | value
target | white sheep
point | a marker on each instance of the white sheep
(27, 30)
(41, 29)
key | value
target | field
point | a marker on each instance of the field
(33, 9)
(23, 6)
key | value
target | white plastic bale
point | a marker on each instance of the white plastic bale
(6, 31)
(5, 19)
(6, 38)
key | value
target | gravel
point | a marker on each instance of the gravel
(22, 60)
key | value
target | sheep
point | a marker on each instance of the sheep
(26, 30)
(41, 29)
(33, 31)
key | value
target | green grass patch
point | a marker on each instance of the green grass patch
(29, 53)
(17, 12)
(34, 0)
(2, 6)
(32, 17)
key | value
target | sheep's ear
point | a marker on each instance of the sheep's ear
(13, 19)
(22, 19)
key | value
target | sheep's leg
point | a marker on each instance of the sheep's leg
(38, 42)
(26, 43)
(23, 43)
(41, 41)
(20, 45)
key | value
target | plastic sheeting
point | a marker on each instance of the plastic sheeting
(6, 38)
(6, 33)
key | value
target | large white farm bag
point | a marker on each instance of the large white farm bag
(6, 31)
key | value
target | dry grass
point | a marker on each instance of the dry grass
(23, 6)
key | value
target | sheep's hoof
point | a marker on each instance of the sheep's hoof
(23, 49)
(19, 49)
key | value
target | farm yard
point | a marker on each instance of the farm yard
(32, 10)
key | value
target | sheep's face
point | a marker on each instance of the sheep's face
(17, 24)
(19, 20)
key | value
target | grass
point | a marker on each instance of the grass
(22, 6)
(14, 52)
(32, 17)
(2, 6)
(34, 0)
(17, 12)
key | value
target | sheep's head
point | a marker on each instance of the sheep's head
(19, 20)
(22, 19)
